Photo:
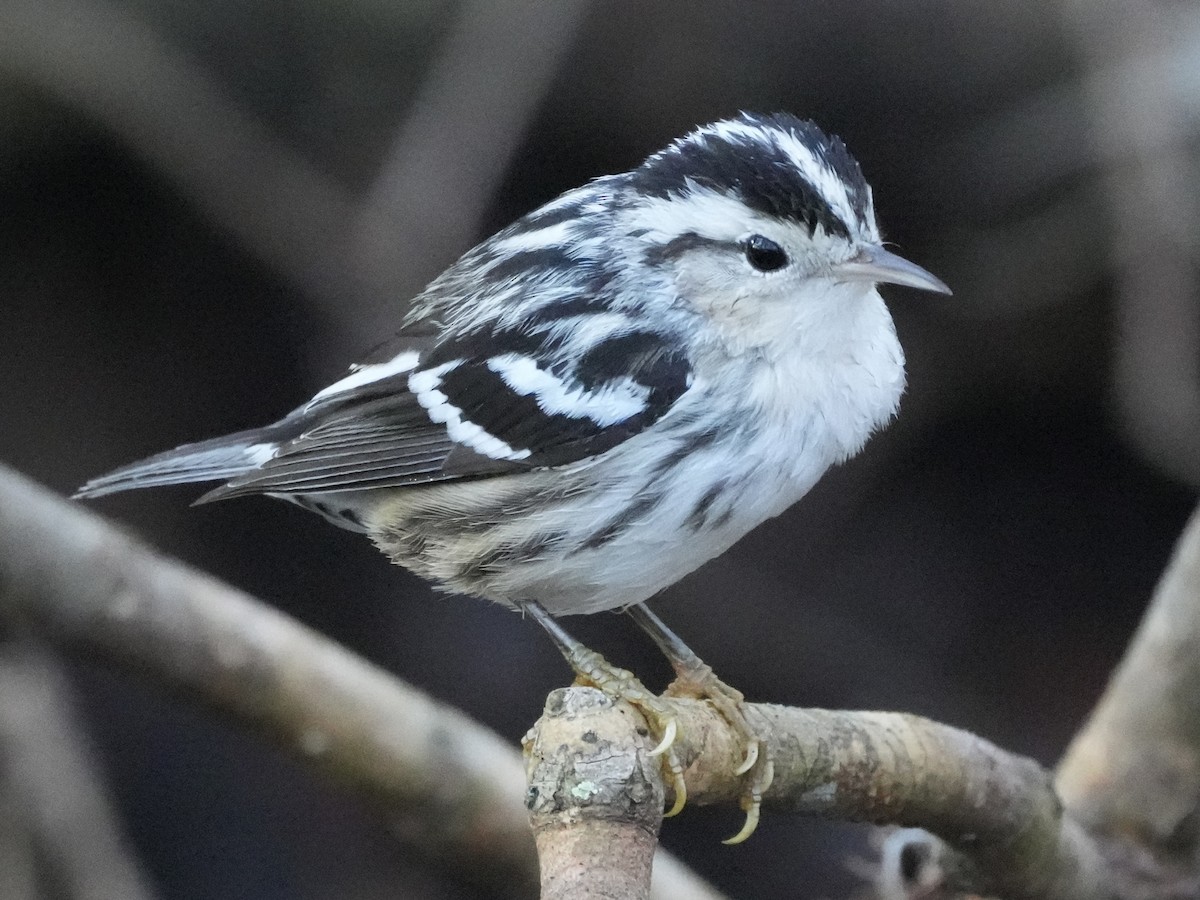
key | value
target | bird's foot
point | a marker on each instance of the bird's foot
(696, 679)
(593, 670)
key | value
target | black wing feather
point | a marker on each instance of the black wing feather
(378, 435)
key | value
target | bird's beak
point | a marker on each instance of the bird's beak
(873, 263)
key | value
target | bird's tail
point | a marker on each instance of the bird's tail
(218, 459)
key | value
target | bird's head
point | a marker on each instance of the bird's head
(765, 225)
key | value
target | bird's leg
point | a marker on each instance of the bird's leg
(695, 678)
(593, 670)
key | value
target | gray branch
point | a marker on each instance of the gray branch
(1135, 766)
(56, 817)
(436, 180)
(69, 575)
(994, 808)
(595, 798)
(1121, 823)
(450, 788)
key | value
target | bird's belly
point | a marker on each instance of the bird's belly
(704, 518)
(591, 539)
(644, 559)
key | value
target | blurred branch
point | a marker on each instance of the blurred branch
(1033, 146)
(453, 789)
(1146, 135)
(51, 789)
(115, 69)
(449, 787)
(455, 144)
(1135, 767)
(359, 260)
(1121, 200)
(1137, 102)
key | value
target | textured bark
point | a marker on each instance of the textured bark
(595, 798)
(997, 809)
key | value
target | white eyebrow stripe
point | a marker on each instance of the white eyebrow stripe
(702, 211)
(826, 182)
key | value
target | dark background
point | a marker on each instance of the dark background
(210, 208)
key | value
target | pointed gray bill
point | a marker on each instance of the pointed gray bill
(873, 263)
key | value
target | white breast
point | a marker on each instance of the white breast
(751, 436)
(802, 414)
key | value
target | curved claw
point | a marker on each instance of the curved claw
(750, 760)
(668, 738)
(751, 823)
(679, 787)
(752, 802)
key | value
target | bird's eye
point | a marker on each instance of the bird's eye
(764, 254)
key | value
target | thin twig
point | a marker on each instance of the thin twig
(106, 62)
(71, 576)
(439, 175)
(55, 788)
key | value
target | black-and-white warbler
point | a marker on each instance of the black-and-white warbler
(608, 393)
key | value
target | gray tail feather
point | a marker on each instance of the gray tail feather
(219, 459)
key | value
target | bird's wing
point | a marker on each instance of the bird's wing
(469, 407)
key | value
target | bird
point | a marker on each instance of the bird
(607, 393)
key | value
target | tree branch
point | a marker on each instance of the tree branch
(71, 576)
(595, 798)
(995, 808)
(449, 787)
(1135, 766)
(1130, 781)
(55, 792)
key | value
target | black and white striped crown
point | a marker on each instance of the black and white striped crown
(776, 164)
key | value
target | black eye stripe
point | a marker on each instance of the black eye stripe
(764, 254)
(684, 243)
